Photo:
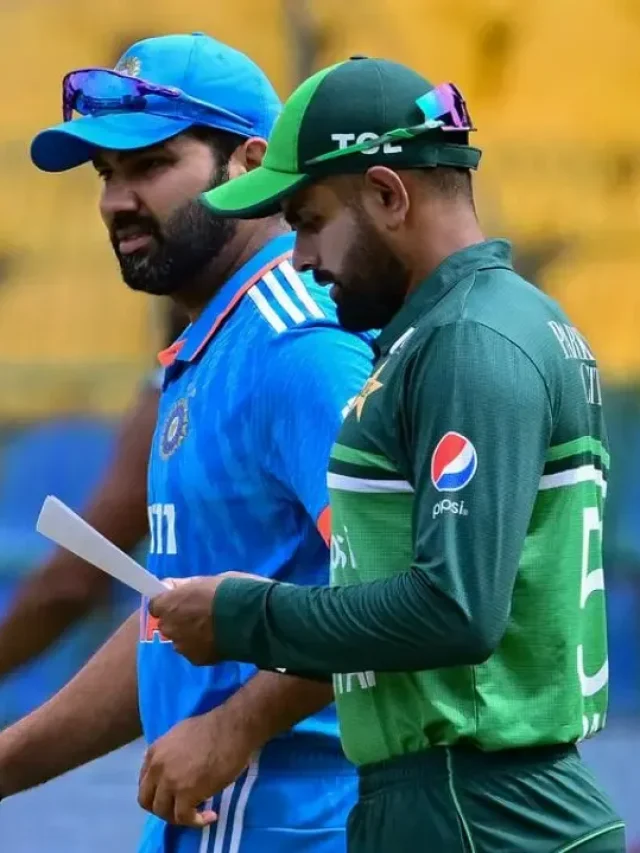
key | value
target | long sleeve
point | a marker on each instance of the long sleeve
(452, 604)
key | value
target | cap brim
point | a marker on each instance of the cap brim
(255, 195)
(73, 143)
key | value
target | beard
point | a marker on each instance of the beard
(373, 283)
(181, 249)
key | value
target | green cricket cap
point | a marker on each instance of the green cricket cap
(345, 119)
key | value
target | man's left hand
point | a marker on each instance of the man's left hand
(185, 614)
(197, 759)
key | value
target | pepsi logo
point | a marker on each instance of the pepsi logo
(453, 463)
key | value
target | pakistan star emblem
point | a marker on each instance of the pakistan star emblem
(370, 387)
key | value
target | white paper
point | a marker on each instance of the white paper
(64, 527)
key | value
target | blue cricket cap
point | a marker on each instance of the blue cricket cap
(201, 67)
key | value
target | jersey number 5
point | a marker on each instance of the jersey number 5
(592, 581)
(162, 527)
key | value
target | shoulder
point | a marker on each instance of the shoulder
(497, 311)
(298, 326)
(509, 306)
(283, 299)
(474, 359)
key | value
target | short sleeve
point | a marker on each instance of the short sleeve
(312, 375)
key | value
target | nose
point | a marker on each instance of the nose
(305, 255)
(117, 197)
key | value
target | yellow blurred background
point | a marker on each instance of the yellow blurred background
(554, 88)
(551, 85)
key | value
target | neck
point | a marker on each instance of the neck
(249, 238)
(450, 230)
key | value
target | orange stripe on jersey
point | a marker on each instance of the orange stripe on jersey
(324, 524)
(169, 355)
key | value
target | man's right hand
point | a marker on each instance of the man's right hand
(197, 759)
(185, 614)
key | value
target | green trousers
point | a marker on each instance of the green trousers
(459, 800)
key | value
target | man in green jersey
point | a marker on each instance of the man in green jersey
(466, 623)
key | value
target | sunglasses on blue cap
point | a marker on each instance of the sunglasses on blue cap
(101, 91)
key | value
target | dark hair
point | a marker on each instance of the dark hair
(221, 142)
(450, 182)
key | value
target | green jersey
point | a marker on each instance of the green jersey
(479, 442)
(467, 488)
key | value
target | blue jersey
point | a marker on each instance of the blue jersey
(251, 404)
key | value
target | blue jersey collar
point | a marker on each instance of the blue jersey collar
(198, 334)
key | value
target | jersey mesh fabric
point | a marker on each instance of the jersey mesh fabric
(494, 375)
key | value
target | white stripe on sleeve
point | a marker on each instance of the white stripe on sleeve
(266, 310)
(282, 297)
(300, 290)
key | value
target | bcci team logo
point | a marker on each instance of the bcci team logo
(175, 428)
(130, 65)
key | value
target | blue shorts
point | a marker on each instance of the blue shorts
(301, 808)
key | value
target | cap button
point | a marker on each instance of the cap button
(198, 33)
(359, 56)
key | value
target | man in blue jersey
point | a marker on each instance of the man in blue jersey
(240, 761)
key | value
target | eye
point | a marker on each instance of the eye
(309, 225)
(150, 164)
(103, 173)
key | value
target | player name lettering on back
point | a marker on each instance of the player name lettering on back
(346, 682)
(575, 347)
(591, 382)
(346, 139)
(572, 343)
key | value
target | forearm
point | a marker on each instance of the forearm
(48, 604)
(67, 589)
(94, 714)
(401, 624)
(453, 605)
(270, 704)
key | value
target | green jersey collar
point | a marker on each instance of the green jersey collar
(454, 269)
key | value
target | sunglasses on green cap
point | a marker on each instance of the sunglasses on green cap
(443, 108)
(328, 127)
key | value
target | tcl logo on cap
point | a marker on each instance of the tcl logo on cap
(453, 463)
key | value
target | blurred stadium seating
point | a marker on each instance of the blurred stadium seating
(63, 457)
(553, 87)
